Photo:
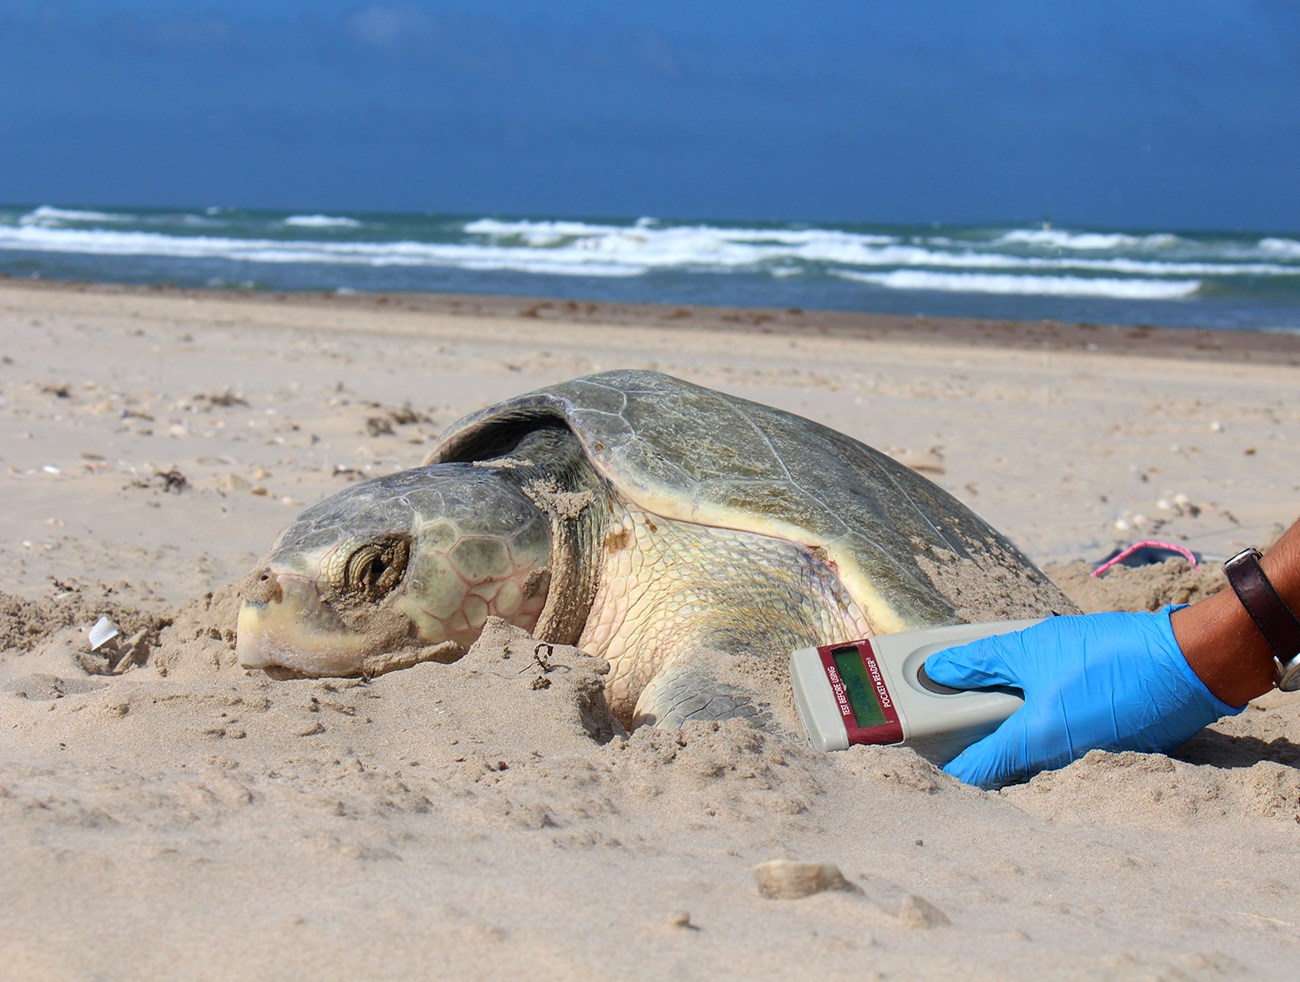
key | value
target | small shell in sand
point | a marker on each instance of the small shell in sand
(786, 879)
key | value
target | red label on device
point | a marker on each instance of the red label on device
(866, 707)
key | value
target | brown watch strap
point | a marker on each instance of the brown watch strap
(1270, 613)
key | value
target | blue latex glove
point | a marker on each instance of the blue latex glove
(1108, 681)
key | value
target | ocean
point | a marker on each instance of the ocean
(1237, 280)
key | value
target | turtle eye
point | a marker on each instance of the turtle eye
(376, 567)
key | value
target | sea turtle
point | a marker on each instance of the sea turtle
(652, 522)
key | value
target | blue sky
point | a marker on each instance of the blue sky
(1130, 113)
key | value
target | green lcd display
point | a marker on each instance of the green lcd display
(862, 694)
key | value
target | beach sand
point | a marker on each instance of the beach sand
(166, 814)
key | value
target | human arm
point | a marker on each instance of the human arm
(1117, 681)
(1221, 642)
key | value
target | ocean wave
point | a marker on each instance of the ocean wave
(1232, 279)
(720, 247)
(539, 234)
(573, 262)
(1057, 286)
(321, 221)
(1287, 248)
(704, 238)
(550, 227)
(1087, 241)
(585, 248)
(971, 259)
(47, 215)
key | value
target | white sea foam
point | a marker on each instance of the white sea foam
(523, 229)
(716, 247)
(593, 249)
(1058, 286)
(1090, 241)
(47, 215)
(714, 262)
(1154, 268)
(914, 256)
(1286, 248)
(321, 221)
(705, 240)
(559, 262)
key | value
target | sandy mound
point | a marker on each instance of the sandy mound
(1143, 588)
(490, 816)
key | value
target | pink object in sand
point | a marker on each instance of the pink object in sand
(1152, 543)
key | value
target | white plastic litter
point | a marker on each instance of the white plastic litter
(103, 632)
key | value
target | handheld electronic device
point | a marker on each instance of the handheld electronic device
(876, 691)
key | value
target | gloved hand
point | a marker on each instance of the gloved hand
(1109, 681)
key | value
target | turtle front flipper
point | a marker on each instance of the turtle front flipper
(693, 691)
(696, 622)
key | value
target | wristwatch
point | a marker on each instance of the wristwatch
(1275, 620)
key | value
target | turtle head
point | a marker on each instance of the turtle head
(397, 570)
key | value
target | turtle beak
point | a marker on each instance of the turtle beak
(284, 624)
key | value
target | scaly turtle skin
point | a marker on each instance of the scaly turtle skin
(655, 523)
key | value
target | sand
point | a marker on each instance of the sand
(164, 813)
